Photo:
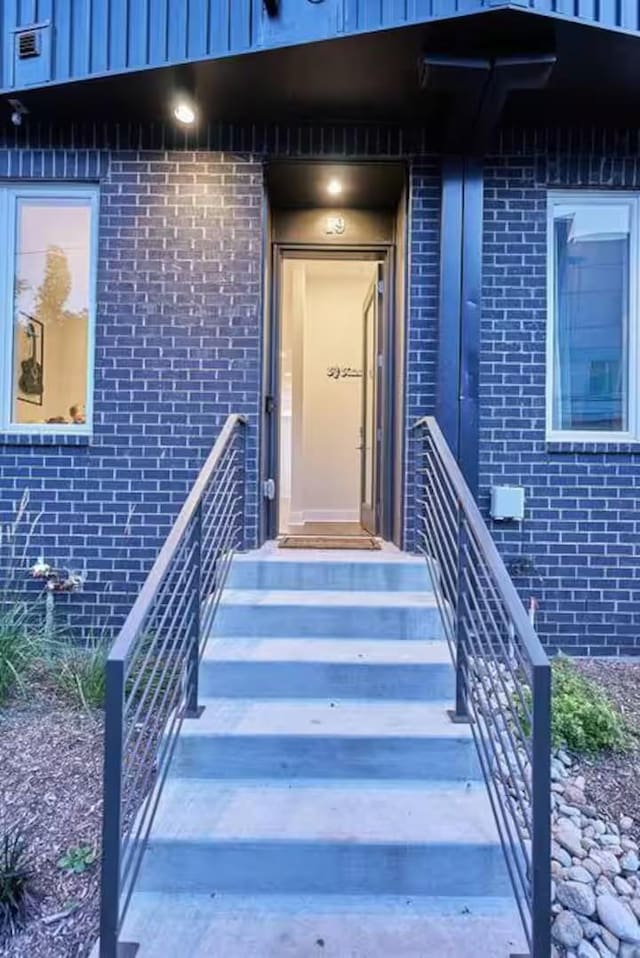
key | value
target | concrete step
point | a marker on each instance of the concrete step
(318, 668)
(320, 838)
(335, 926)
(342, 571)
(324, 738)
(315, 613)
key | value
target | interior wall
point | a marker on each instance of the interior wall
(321, 389)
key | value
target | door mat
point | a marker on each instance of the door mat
(328, 542)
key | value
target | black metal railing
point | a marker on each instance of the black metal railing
(152, 669)
(503, 677)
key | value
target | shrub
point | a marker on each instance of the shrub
(77, 859)
(18, 651)
(21, 617)
(582, 718)
(78, 671)
(16, 897)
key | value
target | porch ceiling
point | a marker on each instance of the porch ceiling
(375, 77)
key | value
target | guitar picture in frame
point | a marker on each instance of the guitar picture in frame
(30, 360)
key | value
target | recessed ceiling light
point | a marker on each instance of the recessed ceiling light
(334, 186)
(184, 113)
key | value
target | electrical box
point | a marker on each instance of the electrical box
(507, 503)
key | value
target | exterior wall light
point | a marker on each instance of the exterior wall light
(334, 187)
(184, 113)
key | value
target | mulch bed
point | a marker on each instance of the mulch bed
(613, 780)
(51, 784)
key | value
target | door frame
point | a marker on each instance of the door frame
(384, 253)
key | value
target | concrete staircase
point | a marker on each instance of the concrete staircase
(324, 804)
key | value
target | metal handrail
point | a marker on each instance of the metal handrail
(503, 676)
(152, 669)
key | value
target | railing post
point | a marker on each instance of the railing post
(541, 812)
(112, 809)
(461, 713)
(192, 709)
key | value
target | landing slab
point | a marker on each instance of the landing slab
(321, 927)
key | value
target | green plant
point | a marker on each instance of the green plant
(16, 897)
(21, 615)
(582, 717)
(78, 671)
(16, 656)
(77, 859)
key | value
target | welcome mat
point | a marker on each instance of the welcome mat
(328, 542)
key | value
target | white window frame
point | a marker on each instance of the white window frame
(593, 198)
(10, 196)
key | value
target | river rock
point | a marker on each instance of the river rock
(574, 796)
(580, 873)
(618, 918)
(607, 861)
(568, 836)
(586, 950)
(577, 896)
(567, 930)
(592, 867)
(560, 855)
(635, 907)
(630, 862)
(612, 943)
(604, 887)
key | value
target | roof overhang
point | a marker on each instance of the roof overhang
(377, 76)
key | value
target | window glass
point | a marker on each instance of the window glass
(52, 276)
(591, 323)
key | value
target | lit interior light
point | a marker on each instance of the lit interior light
(334, 187)
(184, 113)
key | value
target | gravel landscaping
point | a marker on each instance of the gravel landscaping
(51, 785)
(596, 828)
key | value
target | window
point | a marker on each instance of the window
(47, 292)
(592, 341)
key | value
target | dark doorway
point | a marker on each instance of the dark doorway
(331, 385)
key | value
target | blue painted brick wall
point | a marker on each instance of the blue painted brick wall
(177, 349)
(582, 526)
(422, 315)
(179, 330)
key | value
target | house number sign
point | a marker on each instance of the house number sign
(343, 372)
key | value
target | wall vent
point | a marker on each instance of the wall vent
(31, 55)
(28, 44)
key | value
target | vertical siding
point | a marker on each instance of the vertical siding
(93, 37)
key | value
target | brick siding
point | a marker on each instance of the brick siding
(178, 347)
(582, 525)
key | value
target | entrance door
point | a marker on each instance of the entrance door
(370, 430)
(327, 395)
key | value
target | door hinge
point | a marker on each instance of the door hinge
(379, 435)
(379, 360)
(380, 287)
(269, 489)
(269, 404)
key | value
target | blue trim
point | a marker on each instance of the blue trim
(447, 407)
(470, 309)
(460, 299)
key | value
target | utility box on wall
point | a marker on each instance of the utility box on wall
(507, 503)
